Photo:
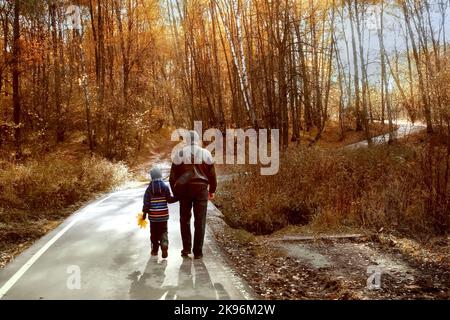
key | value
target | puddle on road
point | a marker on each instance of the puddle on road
(388, 263)
(304, 253)
(348, 259)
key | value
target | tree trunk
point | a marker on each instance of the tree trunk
(16, 77)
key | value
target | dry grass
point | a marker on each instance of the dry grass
(402, 187)
(37, 195)
(40, 188)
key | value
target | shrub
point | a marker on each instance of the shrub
(402, 187)
(43, 187)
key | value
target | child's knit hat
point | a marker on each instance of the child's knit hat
(156, 173)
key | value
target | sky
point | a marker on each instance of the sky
(393, 35)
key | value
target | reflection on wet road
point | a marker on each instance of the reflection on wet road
(194, 282)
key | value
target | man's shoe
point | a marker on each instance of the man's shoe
(165, 253)
(197, 257)
(154, 253)
(185, 254)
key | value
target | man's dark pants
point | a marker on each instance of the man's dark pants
(196, 196)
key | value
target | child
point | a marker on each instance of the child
(156, 198)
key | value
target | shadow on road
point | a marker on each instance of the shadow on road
(148, 285)
(194, 282)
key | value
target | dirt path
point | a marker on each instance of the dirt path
(333, 267)
(353, 262)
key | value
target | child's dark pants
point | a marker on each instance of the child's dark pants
(158, 235)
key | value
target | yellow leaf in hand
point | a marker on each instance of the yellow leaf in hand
(142, 223)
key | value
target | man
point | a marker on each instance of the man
(191, 173)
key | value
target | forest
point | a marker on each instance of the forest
(132, 67)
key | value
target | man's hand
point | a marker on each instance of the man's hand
(211, 196)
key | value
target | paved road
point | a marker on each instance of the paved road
(405, 128)
(103, 244)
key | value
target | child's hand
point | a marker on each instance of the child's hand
(211, 196)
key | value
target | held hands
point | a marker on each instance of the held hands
(211, 196)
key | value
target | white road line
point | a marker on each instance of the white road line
(33, 259)
(12, 281)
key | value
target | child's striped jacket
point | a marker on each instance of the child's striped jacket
(156, 198)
